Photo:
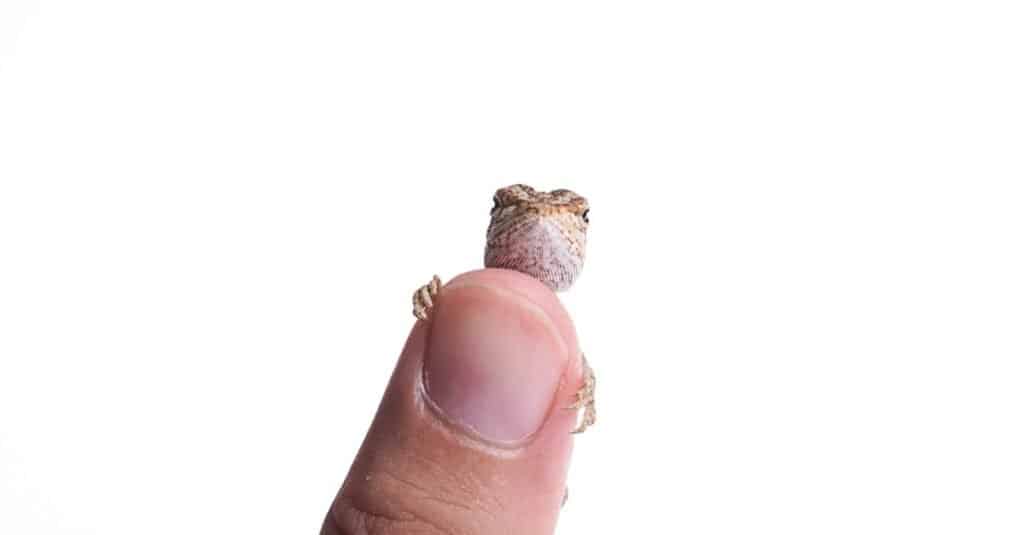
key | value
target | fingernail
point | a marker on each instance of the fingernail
(493, 362)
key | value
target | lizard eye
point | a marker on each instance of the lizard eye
(585, 214)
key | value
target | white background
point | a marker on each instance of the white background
(804, 294)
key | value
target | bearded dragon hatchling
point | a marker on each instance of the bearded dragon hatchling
(542, 234)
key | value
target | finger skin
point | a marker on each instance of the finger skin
(419, 472)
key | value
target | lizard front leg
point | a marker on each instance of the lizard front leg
(422, 298)
(585, 398)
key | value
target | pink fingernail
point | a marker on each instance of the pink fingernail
(494, 362)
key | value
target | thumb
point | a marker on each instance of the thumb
(471, 436)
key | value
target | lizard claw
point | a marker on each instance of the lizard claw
(422, 298)
(585, 399)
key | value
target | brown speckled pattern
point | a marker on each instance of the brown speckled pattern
(542, 234)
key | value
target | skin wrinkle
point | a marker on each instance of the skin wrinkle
(467, 483)
(438, 494)
(451, 489)
(374, 522)
(457, 498)
(353, 520)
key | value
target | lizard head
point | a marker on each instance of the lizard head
(540, 233)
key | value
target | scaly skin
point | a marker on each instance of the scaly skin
(544, 235)
(538, 233)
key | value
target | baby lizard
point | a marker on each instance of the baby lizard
(544, 235)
